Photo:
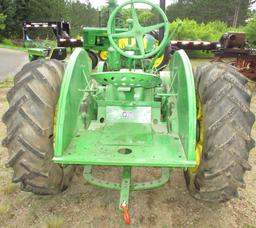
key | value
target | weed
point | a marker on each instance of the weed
(55, 221)
(4, 208)
(6, 83)
(10, 188)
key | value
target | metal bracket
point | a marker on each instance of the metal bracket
(126, 186)
(165, 176)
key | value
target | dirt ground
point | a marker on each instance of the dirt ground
(83, 205)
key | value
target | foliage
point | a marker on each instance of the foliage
(208, 19)
(192, 30)
(8, 9)
(2, 20)
(146, 17)
(81, 15)
(10, 189)
(208, 10)
(250, 30)
(18, 11)
(55, 221)
(7, 42)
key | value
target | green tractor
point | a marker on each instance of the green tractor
(129, 114)
(37, 48)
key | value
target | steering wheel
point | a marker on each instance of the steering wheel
(137, 31)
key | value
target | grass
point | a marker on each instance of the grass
(250, 226)
(6, 83)
(197, 61)
(13, 47)
(4, 209)
(10, 189)
(7, 43)
(55, 221)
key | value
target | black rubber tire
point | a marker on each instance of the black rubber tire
(227, 124)
(34, 58)
(94, 59)
(29, 121)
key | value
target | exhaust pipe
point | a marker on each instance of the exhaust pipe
(161, 30)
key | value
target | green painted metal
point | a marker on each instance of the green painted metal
(137, 32)
(183, 85)
(38, 53)
(126, 184)
(124, 107)
(149, 185)
(101, 67)
(150, 42)
(128, 117)
(76, 79)
(100, 145)
(97, 38)
(133, 109)
(129, 79)
(98, 182)
(113, 60)
(125, 187)
(165, 176)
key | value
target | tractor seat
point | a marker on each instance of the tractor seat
(127, 79)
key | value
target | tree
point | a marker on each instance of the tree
(233, 12)
(81, 15)
(46, 10)
(250, 30)
(8, 8)
(2, 19)
(18, 11)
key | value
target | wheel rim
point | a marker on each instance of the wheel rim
(103, 55)
(199, 145)
(158, 61)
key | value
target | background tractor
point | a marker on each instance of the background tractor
(94, 40)
(129, 114)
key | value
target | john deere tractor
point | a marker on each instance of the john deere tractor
(129, 114)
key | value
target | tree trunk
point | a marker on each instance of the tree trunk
(237, 10)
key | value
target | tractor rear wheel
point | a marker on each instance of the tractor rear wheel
(30, 128)
(225, 129)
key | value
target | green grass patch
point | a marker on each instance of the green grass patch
(4, 209)
(6, 83)
(55, 221)
(6, 43)
(250, 226)
(12, 47)
(10, 189)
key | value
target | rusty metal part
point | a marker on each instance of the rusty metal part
(233, 40)
(194, 45)
(232, 45)
(247, 66)
(243, 59)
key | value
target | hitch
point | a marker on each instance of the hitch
(126, 186)
(126, 215)
(124, 194)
